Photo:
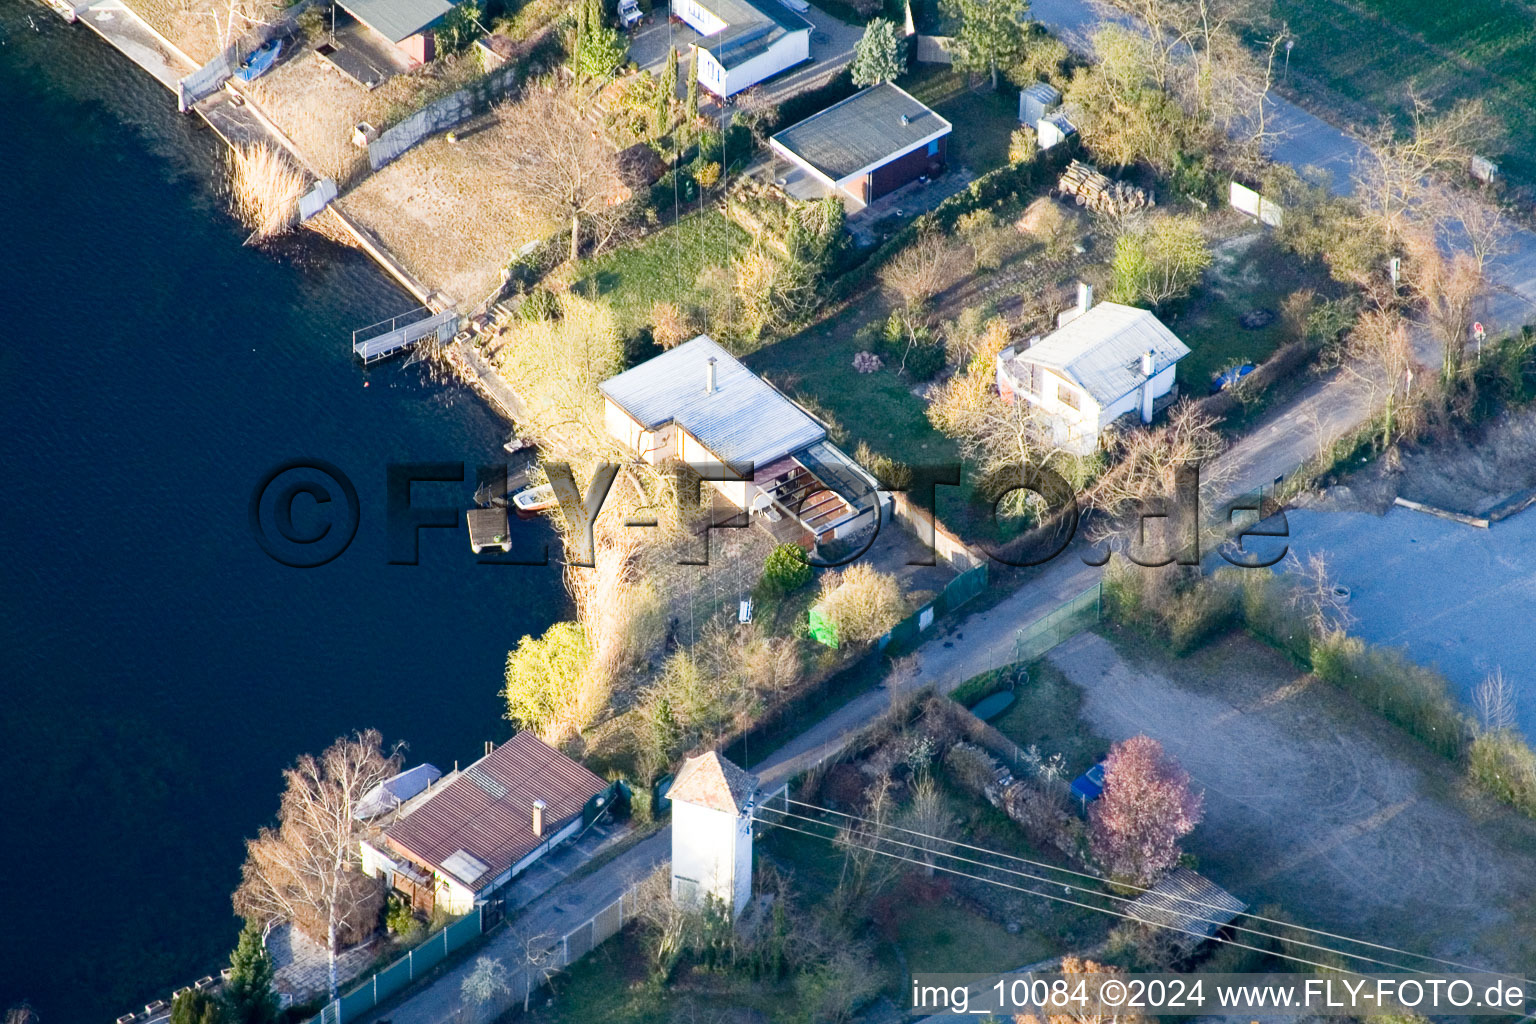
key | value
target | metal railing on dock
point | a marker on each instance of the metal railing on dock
(387, 337)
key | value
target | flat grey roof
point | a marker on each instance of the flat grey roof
(1101, 350)
(743, 421)
(862, 132)
(751, 28)
(397, 19)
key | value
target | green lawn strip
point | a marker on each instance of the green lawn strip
(1047, 715)
(662, 266)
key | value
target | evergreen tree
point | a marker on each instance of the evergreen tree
(248, 995)
(196, 1008)
(993, 33)
(881, 55)
(691, 109)
(666, 95)
(599, 48)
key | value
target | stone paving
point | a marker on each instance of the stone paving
(303, 970)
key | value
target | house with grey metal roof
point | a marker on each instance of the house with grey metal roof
(699, 405)
(871, 143)
(1102, 363)
(407, 24)
(745, 41)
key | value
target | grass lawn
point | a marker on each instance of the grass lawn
(1377, 51)
(662, 266)
(1249, 272)
(949, 938)
(1046, 714)
(983, 119)
(877, 408)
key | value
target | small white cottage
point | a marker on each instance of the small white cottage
(745, 41)
(712, 803)
(1103, 363)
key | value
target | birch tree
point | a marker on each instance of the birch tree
(305, 869)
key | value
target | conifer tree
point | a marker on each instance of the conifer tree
(248, 995)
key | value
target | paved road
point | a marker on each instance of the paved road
(1309, 141)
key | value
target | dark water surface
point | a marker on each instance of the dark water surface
(158, 670)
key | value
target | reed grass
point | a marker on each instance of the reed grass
(265, 187)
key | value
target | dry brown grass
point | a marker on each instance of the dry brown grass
(444, 218)
(265, 187)
(317, 107)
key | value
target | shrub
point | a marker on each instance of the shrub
(924, 360)
(785, 571)
(1414, 697)
(708, 174)
(971, 767)
(861, 604)
(1199, 612)
(398, 916)
(1022, 145)
(893, 474)
(1158, 261)
(1503, 764)
(1269, 614)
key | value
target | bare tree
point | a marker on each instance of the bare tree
(924, 268)
(929, 820)
(1448, 286)
(305, 870)
(1316, 593)
(233, 18)
(555, 154)
(1495, 702)
(1379, 359)
(1396, 172)
(538, 957)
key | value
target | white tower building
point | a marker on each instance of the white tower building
(712, 802)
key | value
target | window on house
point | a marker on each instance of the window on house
(933, 148)
(1066, 396)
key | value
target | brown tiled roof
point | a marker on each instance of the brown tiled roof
(709, 780)
(487, 811)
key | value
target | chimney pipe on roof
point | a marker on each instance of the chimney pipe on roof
(538, 817)
(1084, 296)
(1148, 363)
(709, 376)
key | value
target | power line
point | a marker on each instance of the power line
(1145, 889)
(1059, 899)
(1111, 896)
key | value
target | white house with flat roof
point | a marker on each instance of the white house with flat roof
(1105, 362)
(745, 41)
(699, 405)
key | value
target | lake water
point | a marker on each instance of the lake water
(159, 670)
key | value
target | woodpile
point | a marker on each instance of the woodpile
(1087, 187)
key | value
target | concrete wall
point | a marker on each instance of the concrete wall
(935, 50)
(932, 533)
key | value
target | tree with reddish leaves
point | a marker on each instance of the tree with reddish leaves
(1147, 807)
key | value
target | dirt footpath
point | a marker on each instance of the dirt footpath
(1319, 806)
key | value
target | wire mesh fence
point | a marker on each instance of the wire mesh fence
(1070, 618)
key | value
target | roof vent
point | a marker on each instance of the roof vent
(709, 376)
(906, 119)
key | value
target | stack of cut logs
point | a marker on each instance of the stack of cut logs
(1098, 193)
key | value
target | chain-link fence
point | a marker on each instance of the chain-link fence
(1070, 618)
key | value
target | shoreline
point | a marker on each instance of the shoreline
(237, 119)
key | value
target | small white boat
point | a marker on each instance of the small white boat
(530, 501)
